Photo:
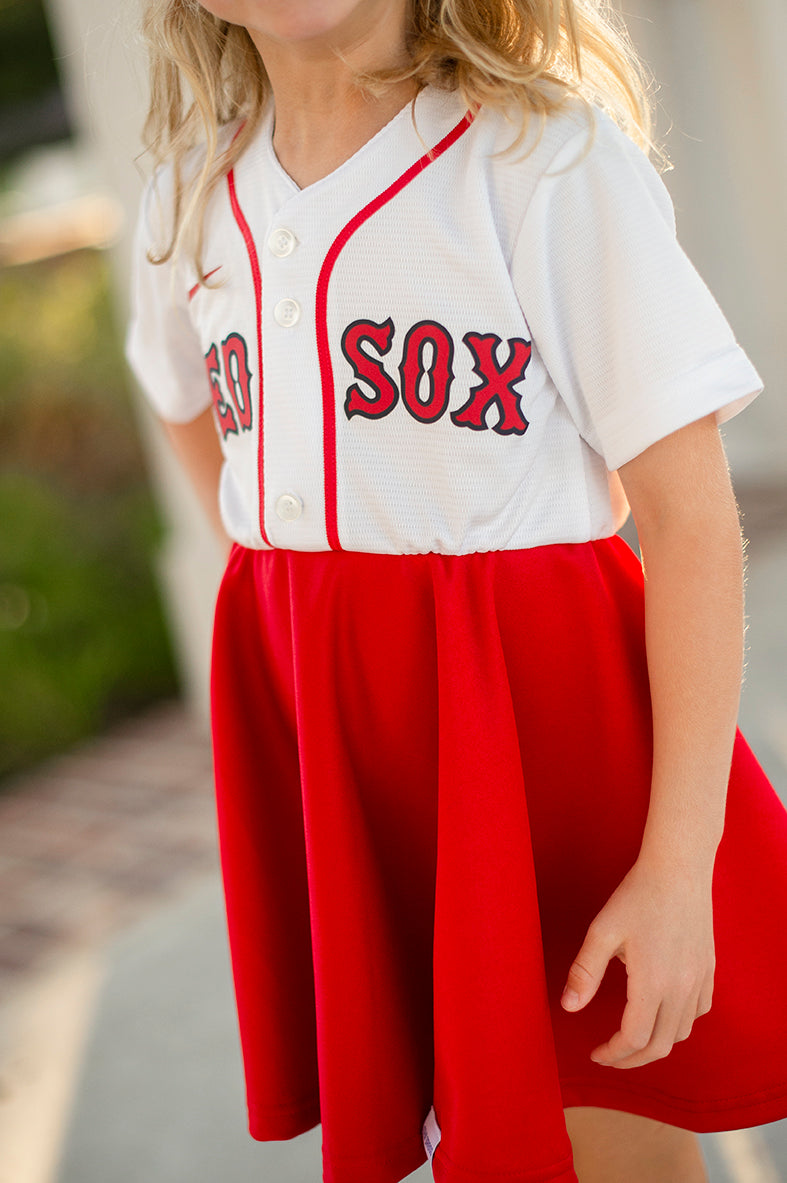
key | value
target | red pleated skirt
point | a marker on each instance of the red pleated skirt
(432, 771)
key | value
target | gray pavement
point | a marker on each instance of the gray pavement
(151, 1091)
(161, 1096)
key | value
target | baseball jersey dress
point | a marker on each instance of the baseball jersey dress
(431, 713)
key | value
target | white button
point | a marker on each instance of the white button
(282, 243)
(287, 313)
(289, 507)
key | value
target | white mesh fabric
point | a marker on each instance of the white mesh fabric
(629, 332)
(574, 252)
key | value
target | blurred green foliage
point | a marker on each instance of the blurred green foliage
(82, 639)
(26, 61)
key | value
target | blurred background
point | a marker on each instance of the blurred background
(118, 1050)
(82, 638)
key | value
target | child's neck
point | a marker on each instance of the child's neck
(322, 118)
(312, 142)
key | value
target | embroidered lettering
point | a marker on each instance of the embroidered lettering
(224, 413)
(385, 394)
(427, 337)
(496, 386)
(236, 369)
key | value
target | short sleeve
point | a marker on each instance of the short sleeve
(630, 334)
(162, 346)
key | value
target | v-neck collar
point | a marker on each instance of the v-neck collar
(267, 132)
(435, 110)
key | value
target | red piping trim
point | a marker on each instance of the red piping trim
(321, 318)
(193, 291)
(256, 276)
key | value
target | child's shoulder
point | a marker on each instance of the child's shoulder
(578, 147)
(574, 131)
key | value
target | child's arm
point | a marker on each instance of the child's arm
(196, 445)
(684, 508)
(659, 921)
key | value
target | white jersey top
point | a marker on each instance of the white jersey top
(435, 348)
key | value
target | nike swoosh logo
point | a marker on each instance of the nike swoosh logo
(197, 286)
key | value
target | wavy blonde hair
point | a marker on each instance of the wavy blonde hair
(206, 72)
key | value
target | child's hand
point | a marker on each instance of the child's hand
(660, 925)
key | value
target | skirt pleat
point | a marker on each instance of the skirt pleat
(432, 771)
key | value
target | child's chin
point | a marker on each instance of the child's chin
(294, 21)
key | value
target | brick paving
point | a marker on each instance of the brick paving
(94, 839)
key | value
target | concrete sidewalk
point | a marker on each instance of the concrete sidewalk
(91, 843)
(119, 1052)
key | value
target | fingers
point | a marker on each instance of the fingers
(686, 1024)
(587, 969)
(644, 1036)
(651, 1026)
(706, 996)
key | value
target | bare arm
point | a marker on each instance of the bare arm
(659, 921)
(196, 445)
(687, 520)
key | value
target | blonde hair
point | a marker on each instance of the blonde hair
(205, 73)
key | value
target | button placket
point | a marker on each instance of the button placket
(289, 507)
(287, 312)
(282, 242)
(286, 274)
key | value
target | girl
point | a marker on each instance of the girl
(505, 886)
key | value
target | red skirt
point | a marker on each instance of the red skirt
(432, 771)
